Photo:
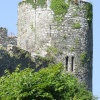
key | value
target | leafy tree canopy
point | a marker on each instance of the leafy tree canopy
(47, 84)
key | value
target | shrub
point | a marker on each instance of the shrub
(47, 84)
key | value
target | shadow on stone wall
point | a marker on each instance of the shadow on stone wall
(21, 58)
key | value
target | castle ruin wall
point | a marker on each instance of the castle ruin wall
(38, 30)
(5, 39)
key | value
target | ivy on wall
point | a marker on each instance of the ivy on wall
(59, 8)
(89, 12)
(76, 25)
(84, 57)
(88, 8)
(36, 3)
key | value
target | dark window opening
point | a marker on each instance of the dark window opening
(72, 63)
(67, 63)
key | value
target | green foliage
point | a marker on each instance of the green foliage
(84, 58)
(76, 41)
(89, 15)
(53, 50)
(88, 8)
(72, 49)
(34, 4)
(76, 25)
(47, 84)
(75, 14)
(59, 8)
(16, 57)
(42, 62)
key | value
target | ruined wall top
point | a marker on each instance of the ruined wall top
(5, 39)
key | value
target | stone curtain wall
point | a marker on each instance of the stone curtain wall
(37, 31)
(13, 58)
(3, 36)
(5, 40)
(12, 40)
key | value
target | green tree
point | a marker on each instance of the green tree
(48, 84)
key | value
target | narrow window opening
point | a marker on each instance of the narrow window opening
(67, 63)
(72, 63)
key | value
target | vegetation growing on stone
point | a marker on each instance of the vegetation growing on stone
(59, 8)
(88, 8)
(89, 12)
(84, 58)
(34, 4)
(22, 58)
(76, 25)
(72, 49)
(76, 41)
(53, 50)
(47, 84)
(16, 57)
(75, 14)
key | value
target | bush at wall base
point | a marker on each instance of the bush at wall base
(46, 84)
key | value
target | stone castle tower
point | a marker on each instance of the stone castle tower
(70, 33)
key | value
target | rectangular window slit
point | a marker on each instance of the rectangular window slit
(67, 63)
(72, 63)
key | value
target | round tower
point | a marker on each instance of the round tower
(64, 28)
(75, 40)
